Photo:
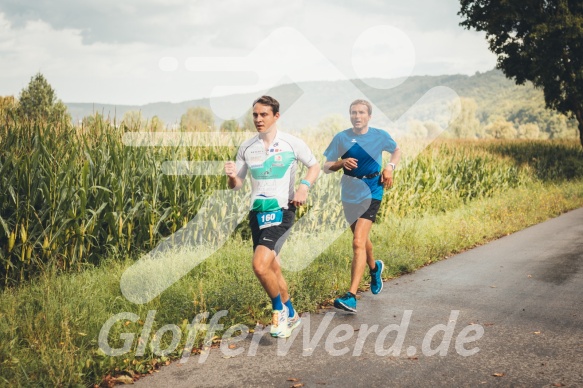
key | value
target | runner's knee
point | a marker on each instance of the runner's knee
(358, 243)
(262, 263)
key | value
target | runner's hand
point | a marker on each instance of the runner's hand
(350, 163)
(300, 196)
(387, 178)
(231, 169)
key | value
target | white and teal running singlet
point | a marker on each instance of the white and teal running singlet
(273, 169)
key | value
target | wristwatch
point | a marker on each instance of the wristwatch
(392, 165)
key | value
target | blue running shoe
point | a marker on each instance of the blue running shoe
(376, 279)
(346, 302)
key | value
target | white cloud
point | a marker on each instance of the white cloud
(112, 52)
(383, 52)
(451, 52)
(78, 72)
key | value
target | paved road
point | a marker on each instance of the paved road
(509, 313)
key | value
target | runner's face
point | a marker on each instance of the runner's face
(359, 117)
(263, 118)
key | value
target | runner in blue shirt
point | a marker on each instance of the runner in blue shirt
(358, 152)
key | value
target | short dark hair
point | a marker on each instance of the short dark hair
(361, 102)
(268, 100)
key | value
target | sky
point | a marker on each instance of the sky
(138, 52)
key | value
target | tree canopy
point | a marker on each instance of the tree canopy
(38, 102)
(536, 40)
(230, 126)
(198, 119)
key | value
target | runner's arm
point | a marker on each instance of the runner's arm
(387, 174)
(313, 173)
(333, 166)
(234, 182)
(301, 194)
(395, 158)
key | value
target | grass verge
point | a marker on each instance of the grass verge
(50, 327)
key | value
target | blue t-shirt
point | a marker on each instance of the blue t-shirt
(367, 149)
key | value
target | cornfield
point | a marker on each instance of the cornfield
(70, 197)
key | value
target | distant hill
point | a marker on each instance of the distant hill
(493, 92)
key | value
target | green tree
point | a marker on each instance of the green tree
(551, 123)
(38, 102)
(539, 41)
(230, 126)
(557, 127)
(94, 120)
(501, 129)
(133, 121)
(528, 131)
(198, 119)
(466, 125)
(416, 129)
(155, 124)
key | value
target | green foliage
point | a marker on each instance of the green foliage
(69, 197)
(467, 125)
(198, 119)
(447, 175)
(133, 121)
(155, 124)
(90, 121)
(494, 96)
(78, 198)
(38, 103)
(537, 41)
(51, 325)
(529, 131)
(501, 129)
(555, 161)
(8, 107)
(230, 126)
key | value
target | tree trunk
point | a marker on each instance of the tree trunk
(579, 115)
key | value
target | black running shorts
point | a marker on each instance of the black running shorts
(367, 210)
(274, 236)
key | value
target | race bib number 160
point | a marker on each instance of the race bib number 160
(267, 219)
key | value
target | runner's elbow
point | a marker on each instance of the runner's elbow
(327, 168)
